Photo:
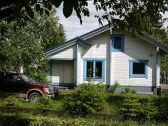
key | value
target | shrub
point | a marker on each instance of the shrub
(130, 91)
(143, 107)
(131, 108)
(133, 91)
(115, 87)
(162, 106)
(86, 99)
(44, 102)
(37, 74)
(149, 110)
(12, 101)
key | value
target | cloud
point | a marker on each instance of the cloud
(72, 25)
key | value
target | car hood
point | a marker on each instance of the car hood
(40, 84)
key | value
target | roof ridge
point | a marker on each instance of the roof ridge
(99, 30)
(75, 38)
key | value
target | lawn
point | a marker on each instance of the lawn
(33, 114)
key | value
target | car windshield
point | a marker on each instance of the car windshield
(25, 78)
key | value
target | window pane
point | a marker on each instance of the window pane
(98, 69)
(89, 70)
(138, 68)
(117, 42)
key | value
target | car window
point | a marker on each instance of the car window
(12, 78)
(16, 78)
(24, 78)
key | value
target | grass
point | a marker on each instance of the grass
(71, 121)
(112, 107)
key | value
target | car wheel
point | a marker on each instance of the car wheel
(34, 96)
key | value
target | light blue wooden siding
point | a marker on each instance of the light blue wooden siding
(66, 54)
(98, 50)
(135, 48)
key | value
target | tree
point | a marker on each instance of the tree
(125, 9)
(19, 48)
(51, 32)
(23, 43)
(47, 29)
(162, 35)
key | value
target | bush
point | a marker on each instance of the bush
(131, 108)
(115, 87)
(44, 102)
(12, 101)
(162, 107)
(130, 91)
(138, 107)
(37, 74)
(86, 99)
(149, 110)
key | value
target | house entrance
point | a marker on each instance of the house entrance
(63, 73)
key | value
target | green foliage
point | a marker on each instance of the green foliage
(149, 109)
(37, 74)
(131, 108)
(19, 48)
(140, 107)
(134, 91)
(48, 30)
(85, 99)
(23, 42)
(116, 101)
(130, 91)
(164, 65)
(44, 102)
(115, 87)
(145, 108)
(162, 106)
(12, 101)
(58, 121)
(135, 12)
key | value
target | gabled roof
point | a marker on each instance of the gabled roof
(82, 40)
(152, 41)
(73, 41)
(83, 43)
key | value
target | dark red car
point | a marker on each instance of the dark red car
(21, 86)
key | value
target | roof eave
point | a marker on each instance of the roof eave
(74, 40)
(152, 41)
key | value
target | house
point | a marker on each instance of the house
(107, 55)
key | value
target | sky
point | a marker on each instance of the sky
(72, 25)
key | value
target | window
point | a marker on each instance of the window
(93, 69)
(98, 69)
(89, 69)
(138, 68)
(117, 43)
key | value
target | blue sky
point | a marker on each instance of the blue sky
(72, 25)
